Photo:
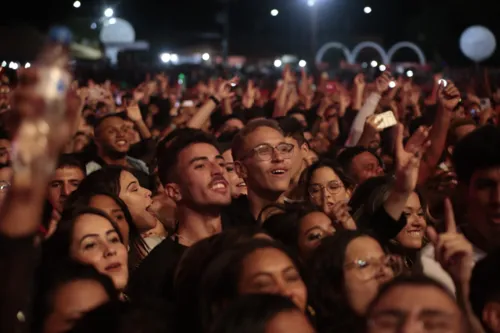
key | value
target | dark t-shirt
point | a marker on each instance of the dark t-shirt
(237, 214)
(155, 275)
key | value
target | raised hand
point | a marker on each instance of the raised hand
(382, 82)
(408, 157)
(372, 125)
(359, 81)
(223, 90)
(249, 95)
(449, 96)
(339, 214)
(288, 76)
(134, 113)
(452, 250)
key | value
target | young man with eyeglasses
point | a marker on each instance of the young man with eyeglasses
(262, 158)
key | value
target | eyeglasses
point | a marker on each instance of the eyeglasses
(264, 152)
(333, 187)
(369, 268)
(4, 186)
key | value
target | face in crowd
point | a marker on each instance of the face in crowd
(96, 241)
(265, 162)
(313, 227)
(326, 186)
(138, 200)
(365, 166)
(112, 137)
(238, 185)
(415, 308)
(299, 157)
(412, 235)
(65, 181)
(201, 178)
(269, 270)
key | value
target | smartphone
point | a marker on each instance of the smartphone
(388, 119)
(443, 82)
(118, 100)
(485, 103)
(474, 112)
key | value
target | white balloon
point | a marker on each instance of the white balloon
(117, 31)
(478, 43)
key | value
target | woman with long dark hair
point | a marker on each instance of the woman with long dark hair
(257, 266)
(346, 271)
(123, 183)
(112, 205)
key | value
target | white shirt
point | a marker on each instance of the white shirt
(433, 269)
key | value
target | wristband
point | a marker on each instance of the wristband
(215, 100)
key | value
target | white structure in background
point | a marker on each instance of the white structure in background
(385, 56)
(478, 43)
(119, 35)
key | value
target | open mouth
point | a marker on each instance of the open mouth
(279, 172)
(114, 267)
(121, 142)
(219, 185)
(242, 184)
(417, 233)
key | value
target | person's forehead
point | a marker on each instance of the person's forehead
(415, 298)
(228, 156)
(233, 122)
(363, 247)
(289, 139)
(492, 174)
(68, 171)
(262, 135)
(267, 258)
(91, 224)
(196, 150)
(365, 157)
(112, 121)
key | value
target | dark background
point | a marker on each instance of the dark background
(168, 24)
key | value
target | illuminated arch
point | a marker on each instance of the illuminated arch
(396, 47)
(363, 45)
(321, 52)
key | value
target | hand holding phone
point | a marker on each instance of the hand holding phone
(385, 120)
(485, 103)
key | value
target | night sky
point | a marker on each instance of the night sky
(433, 24)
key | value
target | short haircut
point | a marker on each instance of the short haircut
(348, 154)
(252, 126)
(70, 161)
(418, 280)
(169, 152)
(452, 137)
(484, 287)
(477, 151)
(100, 120)
(292, 128)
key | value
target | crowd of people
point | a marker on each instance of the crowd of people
(227, 208)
